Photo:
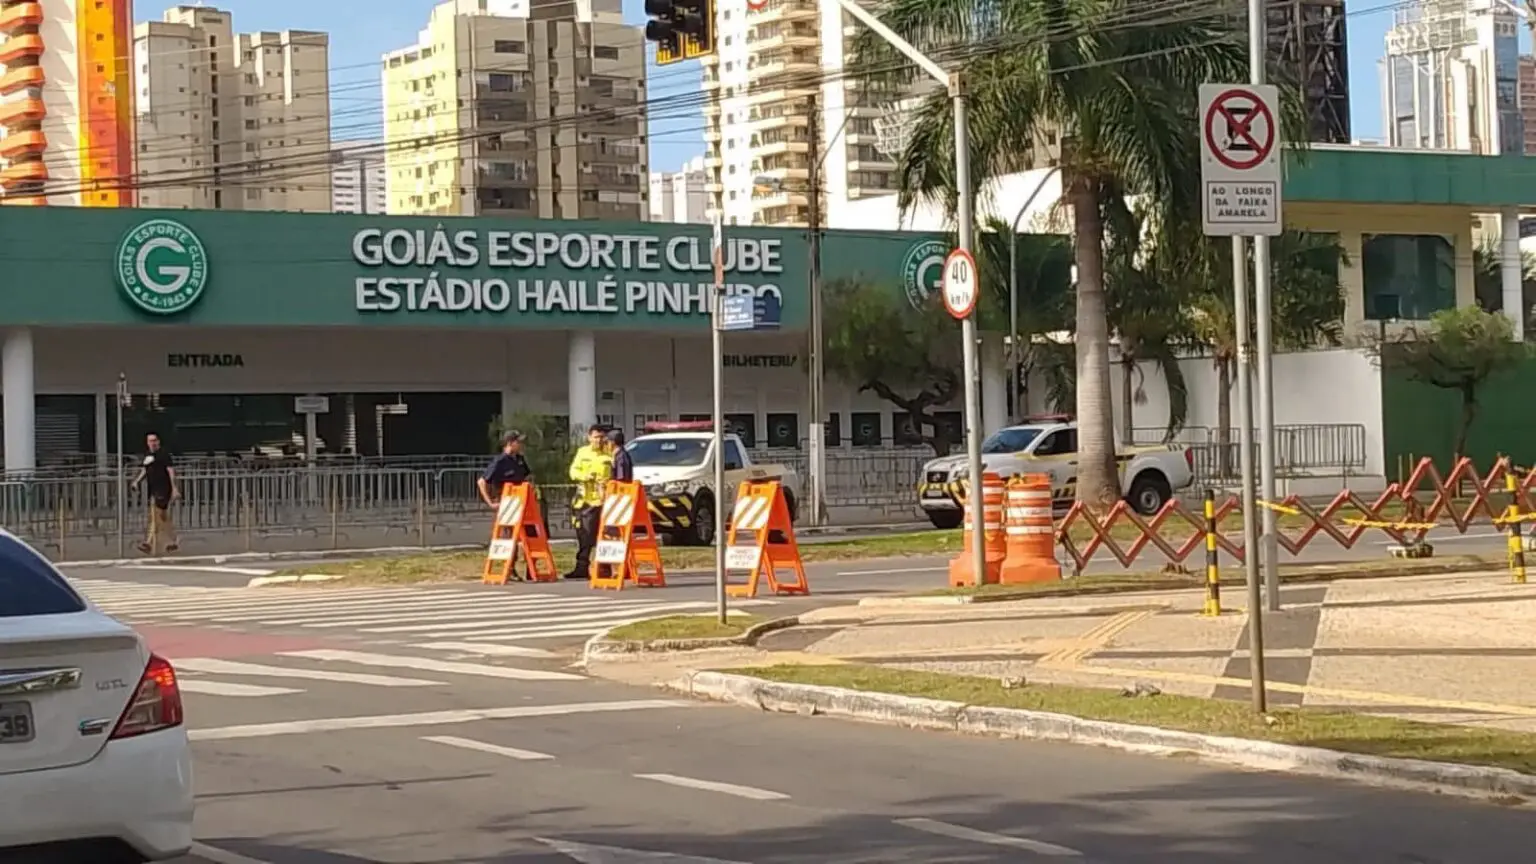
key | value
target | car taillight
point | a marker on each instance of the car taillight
(156, 704)
(1189, 458)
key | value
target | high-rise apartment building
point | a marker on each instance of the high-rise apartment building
(519, 107)
(680, 196)
(769, 76)
(1527, 79)
(66, 91)
(1450, 80)
(357, 177)
(231, 121)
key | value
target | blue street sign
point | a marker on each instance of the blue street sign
(737, 313)
(768, 312)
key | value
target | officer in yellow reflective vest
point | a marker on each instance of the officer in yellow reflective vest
(591, 469)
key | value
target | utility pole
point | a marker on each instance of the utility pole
(817, 444)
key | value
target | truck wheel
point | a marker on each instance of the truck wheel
(946, 520)
(793, 505)
(703, 533)
(1149, 492)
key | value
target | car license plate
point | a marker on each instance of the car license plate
(16, 723)
(935, 493)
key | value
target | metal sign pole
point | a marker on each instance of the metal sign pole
(122, 469)
(1263, 310)
(717, 348)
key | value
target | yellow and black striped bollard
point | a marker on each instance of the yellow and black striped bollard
(1516, 543)
(1212, 562)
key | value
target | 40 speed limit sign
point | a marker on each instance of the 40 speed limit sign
(962, 284)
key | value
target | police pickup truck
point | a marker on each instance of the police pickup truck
(673, 462)
(1149, 475)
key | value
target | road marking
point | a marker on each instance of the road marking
(427, 664)
(898, 571)
(713, 786)
(1095, 639)
(221, 856)
(424, 610)
(229, 688)
(591, 853)
(960, 832)
(487, 649)
(483, 747)
(192, 568)
(232, 667)
(490, 618)
(426, 718)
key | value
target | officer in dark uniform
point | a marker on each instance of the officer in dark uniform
(509, 466)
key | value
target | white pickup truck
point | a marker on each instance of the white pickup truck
(1149, 475)
(673, 461)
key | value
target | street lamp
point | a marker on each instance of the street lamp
(1013, 293)
(966, 225)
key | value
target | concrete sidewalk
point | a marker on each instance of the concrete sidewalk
(1449, 648)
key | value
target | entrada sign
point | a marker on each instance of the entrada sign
(599, 273)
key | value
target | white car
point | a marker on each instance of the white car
(94, 760)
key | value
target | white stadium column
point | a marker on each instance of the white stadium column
(19, 392)
(1512, 271)
(994, 383)
(581, 391)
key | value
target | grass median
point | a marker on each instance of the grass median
(685, 627)
(439, 567)
(1333, 730)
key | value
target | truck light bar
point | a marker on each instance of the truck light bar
(679, 426)
(1049, 418)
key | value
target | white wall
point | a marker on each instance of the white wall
(1002, 198)
(1334, 386)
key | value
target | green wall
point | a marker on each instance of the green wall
(1419, 420)
(63, 266)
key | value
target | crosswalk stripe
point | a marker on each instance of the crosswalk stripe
(427, 664)
(490, 619)
(229, 688)
(484, 747)
(394, 606)
(433, 613)
(487, 650)
(169, 602)
(211, 666)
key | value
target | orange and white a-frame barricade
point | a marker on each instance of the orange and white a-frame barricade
(519, 526)
(627, 547)
(762, 541)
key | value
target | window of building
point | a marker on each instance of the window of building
(1407, 276)
(867, 428)
(508, 46)
(605, 52)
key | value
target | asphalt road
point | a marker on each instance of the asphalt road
(471, 768)
(334, 726)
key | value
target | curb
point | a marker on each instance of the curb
(237, 557)
(603, 646)
(293, 579)
(841, 530)
(938, 715)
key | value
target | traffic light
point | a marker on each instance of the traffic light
(681, 29)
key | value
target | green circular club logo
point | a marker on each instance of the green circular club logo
(922, 271)
(162, 267)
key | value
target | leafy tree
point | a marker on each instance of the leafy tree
(909, 357)
(1119, 88)
(1043, 275)
(1488, 278)
(1460, 350)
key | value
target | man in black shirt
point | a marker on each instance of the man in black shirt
(509, 466)
(158, 475)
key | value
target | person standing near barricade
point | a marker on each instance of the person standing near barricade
(591, 469)
(623, 465)
(158, 474)
(509, 466)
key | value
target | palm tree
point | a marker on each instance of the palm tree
(1117, 82)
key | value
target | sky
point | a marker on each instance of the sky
(362, 30)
